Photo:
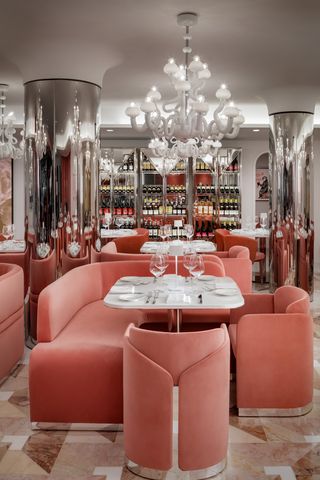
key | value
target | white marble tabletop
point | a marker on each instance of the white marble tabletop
(113, 233)
(12, 246)
(199, 246)
(256, 232)
(174, 292)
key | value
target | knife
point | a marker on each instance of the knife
(200, 298)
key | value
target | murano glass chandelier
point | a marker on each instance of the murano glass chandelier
(179, 125)
(9, 145)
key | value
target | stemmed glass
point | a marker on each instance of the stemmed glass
(188, 228)
(8, 231)
(168, 230)
(196, 265)
(187, 262)
(163, 232)
(158, 265)
(118, 222)
(263, 221)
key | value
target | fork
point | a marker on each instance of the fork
(155, 296)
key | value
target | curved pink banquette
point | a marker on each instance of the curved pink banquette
(76, 368)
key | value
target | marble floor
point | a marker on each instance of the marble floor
(259, 448)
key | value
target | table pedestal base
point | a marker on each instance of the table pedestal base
(175, 473)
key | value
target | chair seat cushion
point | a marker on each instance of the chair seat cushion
(233, 337)
(221, 315)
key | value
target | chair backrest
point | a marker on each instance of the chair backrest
(11, 290)
(22, 259)
(239, 251)
(220, 233)
(143, 231)
(68, 263)
(153, 363)
(240, 240)
(176, 352)
(290, 299)
(131, 244)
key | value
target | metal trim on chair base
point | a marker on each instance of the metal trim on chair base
(275, 412)
(154, 474)
(109, 427)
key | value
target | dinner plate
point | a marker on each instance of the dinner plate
(206, 278)
(227, 292)
(131, 297)
(136, 280)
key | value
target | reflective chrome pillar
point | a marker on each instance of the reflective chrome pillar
(291, 200)
(61, 178)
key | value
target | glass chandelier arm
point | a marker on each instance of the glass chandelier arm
(234, 132)
(169, 125)
(216, 117)
(139, 128)
(166, 106)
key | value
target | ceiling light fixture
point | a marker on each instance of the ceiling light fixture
(256, 129)
(180, 128)
(9, 145)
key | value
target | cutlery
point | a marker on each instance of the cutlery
(149, 296)
(200, 298)
(155, 296)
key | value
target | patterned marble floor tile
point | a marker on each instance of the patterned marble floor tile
(309, 464)
(44, 447)
(17, 462)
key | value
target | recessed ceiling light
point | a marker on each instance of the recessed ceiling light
(110, 130)
(256, 129)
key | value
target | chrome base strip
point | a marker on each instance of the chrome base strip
(175, 472)
(109, 427)
(274, 412)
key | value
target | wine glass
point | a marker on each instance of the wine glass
(263, 221)
(187, 262)
(196, 265)
(158, 265)
(8, 231)
(168, 230)
(118, 222)
(163, 232)
(188, 228)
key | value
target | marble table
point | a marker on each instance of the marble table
(256, 232)
(12, 246)
(199, 246)
(113, 233)
(174, 292)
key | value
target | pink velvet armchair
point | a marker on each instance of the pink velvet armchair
(272, 340)
(11, 317)
(197, 362)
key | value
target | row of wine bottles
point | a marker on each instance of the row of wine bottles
(156, 189)
(155, 207)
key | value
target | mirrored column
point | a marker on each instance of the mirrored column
(291, 200)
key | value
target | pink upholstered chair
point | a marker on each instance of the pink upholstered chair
(42, 273)
(252, 245)
(68, 263)
(22, 260)
(95, 256)
(132, 244)
(197, 362)
(237, 265)
(272, 340)
(11, 317)
(220, 234)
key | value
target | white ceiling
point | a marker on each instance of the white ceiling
(267, 51)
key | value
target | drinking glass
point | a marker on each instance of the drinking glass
(8, 231)
(168, 229)
(263, 221)
(188, 228)
(196, 265)
(187, 262)
(158, 265)
(163, 232)
(118, 222)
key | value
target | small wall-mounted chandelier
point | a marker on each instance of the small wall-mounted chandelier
(180, 127)
(9, 145)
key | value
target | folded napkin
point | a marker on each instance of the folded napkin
(125, 289)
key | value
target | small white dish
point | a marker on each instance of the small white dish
(131, 297)
(206, 278)
(226, 292)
